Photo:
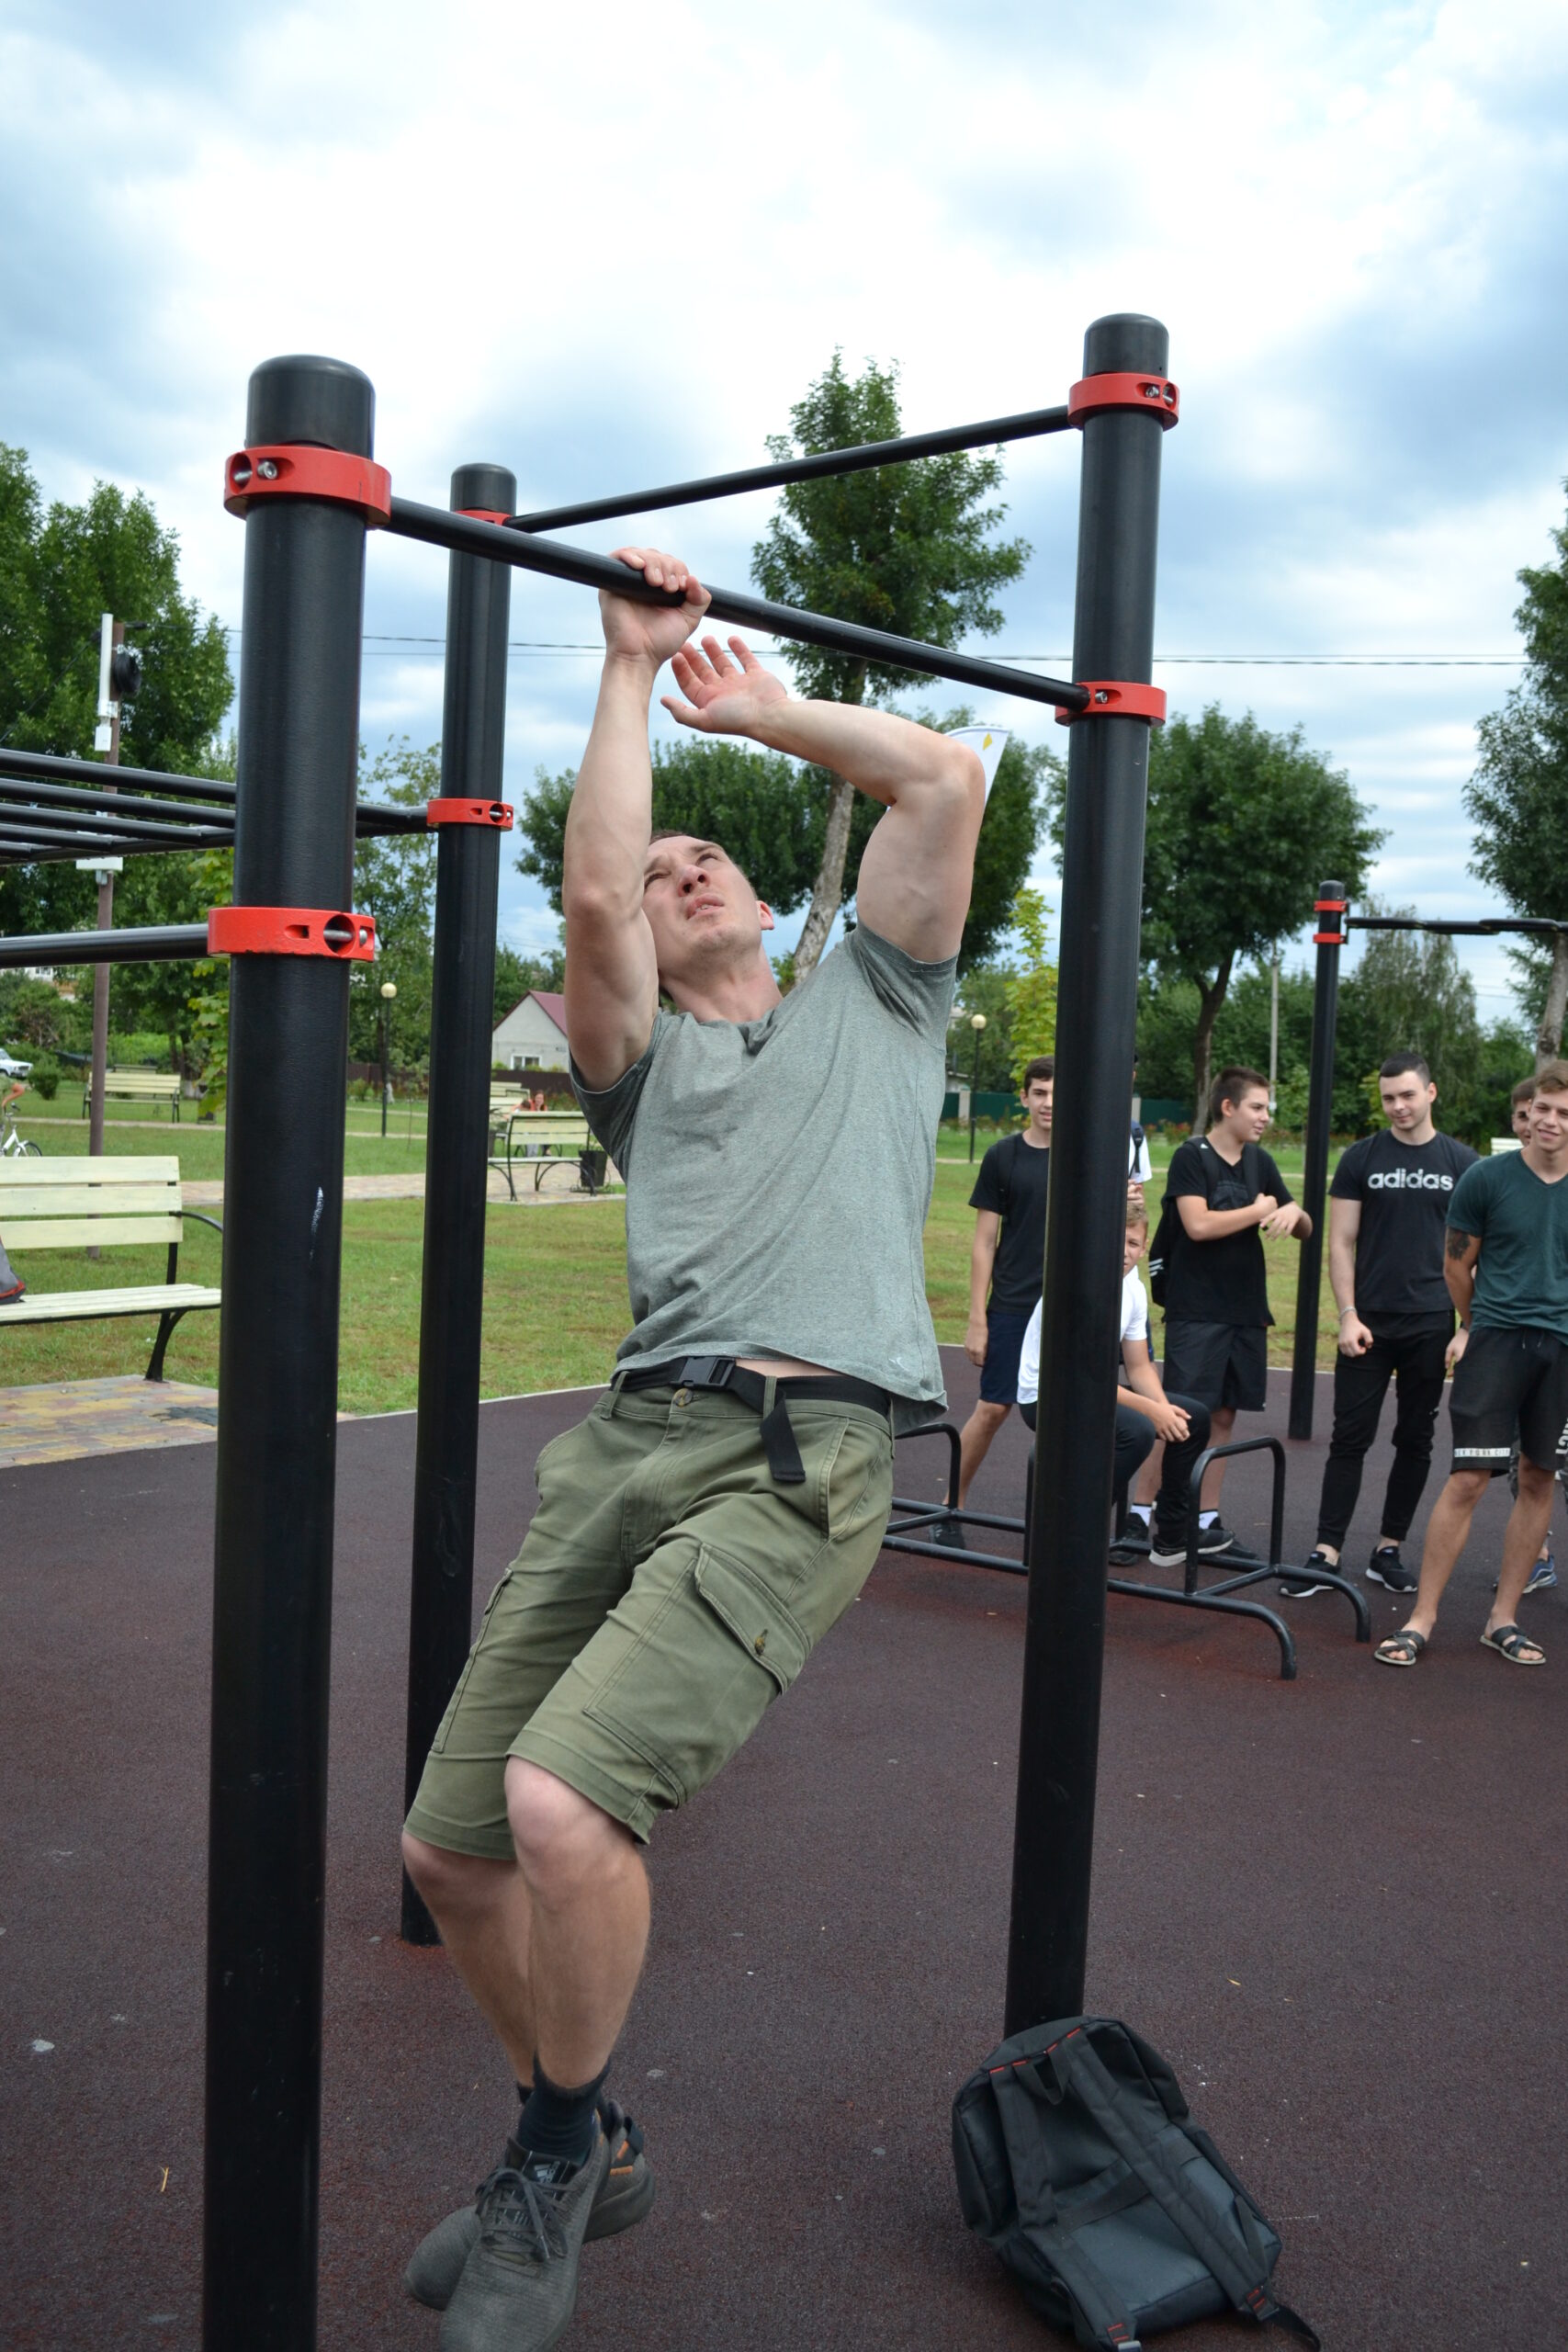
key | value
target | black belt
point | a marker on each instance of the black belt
(751, 1388)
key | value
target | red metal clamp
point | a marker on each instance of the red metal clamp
(483, 514)
(1329, 907)
(291, 931)
(299, 471)
(496, 813)
(1117, 698)
(1091, 394)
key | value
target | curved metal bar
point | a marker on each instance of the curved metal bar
(1218, 1605)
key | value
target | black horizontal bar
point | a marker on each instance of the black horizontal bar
(104, 818)
(56, 778)
(826, 462)
(166, 943)
(439, 527)
(1486, 928)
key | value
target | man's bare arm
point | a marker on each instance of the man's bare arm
(1460, 1254)
(982, 1258)
(917, 866)
(612, 984)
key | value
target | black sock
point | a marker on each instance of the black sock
(556, 2124)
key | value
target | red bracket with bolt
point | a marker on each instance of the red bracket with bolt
(291, 931)
(494, 813)
(1330, 906)
(299, 471)
(1117, 698)
(1092, 394)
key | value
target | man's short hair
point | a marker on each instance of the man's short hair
(1552, 1080)
(1398, 1065)
(1231, 1085)
(1042, 1066)
(1524, 1092)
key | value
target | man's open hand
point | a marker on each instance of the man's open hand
(722, 697)
(651, 632)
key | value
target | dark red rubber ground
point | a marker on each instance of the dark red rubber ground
(1336, 1904)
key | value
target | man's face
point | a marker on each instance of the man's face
(1037, 1097)
(1521, 1118)
(1548, 1121)
(702, 911)
(1406, 1100)
(1248, 1118)
(1132, 1248)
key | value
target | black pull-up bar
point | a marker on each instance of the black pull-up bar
(815, 468)
(160, 943)
(465, 534)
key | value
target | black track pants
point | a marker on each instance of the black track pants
(1360, 1384)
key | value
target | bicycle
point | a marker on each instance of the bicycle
(12, 1144)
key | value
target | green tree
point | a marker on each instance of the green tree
(1031, 988)
(989, 1063)
(903, 548)
(394, 880)
(60, 570)
(1519, 795)
(1242, 825)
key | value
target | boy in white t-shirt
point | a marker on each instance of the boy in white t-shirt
(1144, 1411)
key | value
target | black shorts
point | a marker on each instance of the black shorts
(1508, 1383)
(1005, 1329)
(1219, 1363)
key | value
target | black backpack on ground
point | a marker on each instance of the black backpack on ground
(1170, 1225)
(1078, 2163)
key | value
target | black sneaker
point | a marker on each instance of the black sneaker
(949, 1533)
(1213, 1539)
(1302, 1588)
(1386, 1567)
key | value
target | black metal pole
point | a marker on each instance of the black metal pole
(1329, 937)
(974, 1089)
(1101, 896)
(383, 1070)
(465, 536)
(467, 872)
(298, 740)
(171, 943)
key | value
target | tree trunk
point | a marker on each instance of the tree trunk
(828, 891)
(1210, 999)
(1548, 1037)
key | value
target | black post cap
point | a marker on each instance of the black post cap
(491, 489)
(302, 398)
(1126, 343)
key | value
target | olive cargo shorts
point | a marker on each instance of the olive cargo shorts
(666, 1592)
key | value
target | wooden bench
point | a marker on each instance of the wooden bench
(548, 1139)
(137, 1086)
(60, 1203)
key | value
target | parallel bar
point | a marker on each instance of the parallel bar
(63, 770)
(468, 873)
(106, 819)
(463, 536)
(299, 746)
(23, 776)
(1487, 927)
(859, 459)
(1097, 974)
(1315, 1174)
(165, 944)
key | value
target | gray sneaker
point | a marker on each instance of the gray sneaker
(623, 2197)
(518, 2288)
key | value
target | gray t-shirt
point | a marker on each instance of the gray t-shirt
(778, 1174)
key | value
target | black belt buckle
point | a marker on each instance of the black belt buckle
(707, 1372)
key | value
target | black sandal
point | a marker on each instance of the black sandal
(1400, 1649)
(1509, 1642)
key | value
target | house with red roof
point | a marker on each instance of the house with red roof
(533, 1035)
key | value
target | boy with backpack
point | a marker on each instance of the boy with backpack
(1222, 1193)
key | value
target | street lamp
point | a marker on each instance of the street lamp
(389, 990)
(976, 1022)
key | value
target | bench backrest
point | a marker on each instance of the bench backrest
(139, 1082)
(57, 1204)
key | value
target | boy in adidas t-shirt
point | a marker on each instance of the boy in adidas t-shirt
(1388, 1209)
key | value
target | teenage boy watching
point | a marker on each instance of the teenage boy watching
(1144, 1414)
(721, 1508)
(1227, 1193)
(1006, 1262)
(1388, 1210)
(1506, 1264)
(1520, 1102)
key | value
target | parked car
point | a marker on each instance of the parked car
(9, 1068)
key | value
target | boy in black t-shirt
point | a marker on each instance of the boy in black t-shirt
(1389, 1207)
(1227, 1191)
(1006, 1261)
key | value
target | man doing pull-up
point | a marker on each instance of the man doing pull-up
(722, 1504)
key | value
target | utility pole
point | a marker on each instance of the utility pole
(120, 677)
(1274, 1032)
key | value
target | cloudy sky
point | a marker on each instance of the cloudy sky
(611, 246)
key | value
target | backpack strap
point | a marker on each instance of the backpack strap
(1075, 2059)
(1040, 2225)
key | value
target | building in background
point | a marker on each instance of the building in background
(533, 1035)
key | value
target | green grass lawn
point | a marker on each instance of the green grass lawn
(555, 1286)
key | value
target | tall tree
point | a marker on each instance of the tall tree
(1519, 795)
(903, 548)
(1242, 826)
